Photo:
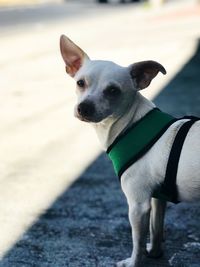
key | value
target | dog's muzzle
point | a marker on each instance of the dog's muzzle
(86, 110)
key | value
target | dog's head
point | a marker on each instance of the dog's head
(104, 89)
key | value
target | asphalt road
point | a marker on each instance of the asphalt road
(30, 15)
(45, 220)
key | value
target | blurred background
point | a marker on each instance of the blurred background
(43, 148)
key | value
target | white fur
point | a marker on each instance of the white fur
(110, 119)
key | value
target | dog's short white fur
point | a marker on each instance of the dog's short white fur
(109, 98)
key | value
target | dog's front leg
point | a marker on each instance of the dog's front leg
(156, 227)
(139, 214)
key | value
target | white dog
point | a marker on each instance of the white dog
(109, 98)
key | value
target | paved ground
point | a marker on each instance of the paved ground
(24, 16)
(46, 219)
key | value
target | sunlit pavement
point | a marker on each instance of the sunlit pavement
(43, 148)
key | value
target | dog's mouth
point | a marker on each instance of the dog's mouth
(81, 118)
(89, 119)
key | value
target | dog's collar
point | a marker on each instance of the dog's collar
(138, 139)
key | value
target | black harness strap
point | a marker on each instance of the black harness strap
(169, 186)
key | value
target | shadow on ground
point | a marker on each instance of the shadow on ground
(88, 224)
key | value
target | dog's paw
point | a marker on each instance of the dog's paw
(154, 253)
(126, 263)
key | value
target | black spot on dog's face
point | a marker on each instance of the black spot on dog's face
(112, 92)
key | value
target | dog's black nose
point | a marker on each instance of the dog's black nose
(86, 109)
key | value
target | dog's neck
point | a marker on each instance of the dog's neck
(110, 128)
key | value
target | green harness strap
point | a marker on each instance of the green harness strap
(138, 139)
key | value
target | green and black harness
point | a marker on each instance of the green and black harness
(140, 137)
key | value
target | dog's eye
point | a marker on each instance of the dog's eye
(112, 91)
(81, 83)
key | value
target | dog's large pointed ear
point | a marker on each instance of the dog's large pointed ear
(143, 72)
(73, 55)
